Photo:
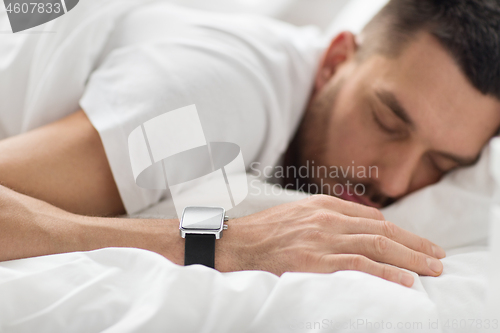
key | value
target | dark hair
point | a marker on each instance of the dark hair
(468, 29)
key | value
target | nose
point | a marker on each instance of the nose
(397, 171)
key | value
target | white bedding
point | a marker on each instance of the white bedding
(130, 290)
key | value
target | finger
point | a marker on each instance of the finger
(340, 262)
(346, 207)
(385, 250)
(395, 233)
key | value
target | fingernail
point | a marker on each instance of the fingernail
(438, 252)
(435, 265)
(406, 279)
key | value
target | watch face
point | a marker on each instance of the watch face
(206, 218)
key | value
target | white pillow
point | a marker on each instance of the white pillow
(493, 298)
(354, 16)
(454, 212)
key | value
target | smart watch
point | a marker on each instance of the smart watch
(201, 226)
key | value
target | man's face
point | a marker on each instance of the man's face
(408, 119)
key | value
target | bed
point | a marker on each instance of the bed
(132, 290)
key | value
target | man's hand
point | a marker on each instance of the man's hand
(319, 234)
(325, 234)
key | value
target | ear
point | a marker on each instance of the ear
(342, 49)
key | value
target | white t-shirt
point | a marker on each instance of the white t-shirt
(249, 77)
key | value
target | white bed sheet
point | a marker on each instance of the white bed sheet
(130, 290)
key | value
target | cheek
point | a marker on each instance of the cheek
(424, 175)
(351, 138)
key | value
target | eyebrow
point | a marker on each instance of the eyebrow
(390, 100)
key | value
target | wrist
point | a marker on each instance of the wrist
(230, 251)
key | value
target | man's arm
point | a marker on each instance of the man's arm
(30, 227)
(64, 164)
(321, 234)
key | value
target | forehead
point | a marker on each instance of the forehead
(449, 113)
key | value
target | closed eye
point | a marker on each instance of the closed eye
(383, 126)
(443, 164)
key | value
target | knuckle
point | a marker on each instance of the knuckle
(386, 272)
(390, 273)
(353, 206)
(322, 216)
(344, 219)
(414, 259)
(351, 220)
(322, 263)
(321, 199)
(306, 260)
(380, 244)
(424, 246)
(355, 262)
(389, 229)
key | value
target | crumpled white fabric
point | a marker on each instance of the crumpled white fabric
(130, 290)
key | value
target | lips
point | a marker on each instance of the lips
(359, 199)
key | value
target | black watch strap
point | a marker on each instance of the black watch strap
(199, 249)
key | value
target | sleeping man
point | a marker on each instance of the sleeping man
(416, 95)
